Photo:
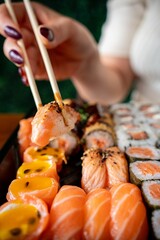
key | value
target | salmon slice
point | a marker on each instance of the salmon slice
(24, 134)
(44, 188)
(128, 213)
(52, 121)
(97, 215)
(44, 154)
(94, 173)
(67, 214)
(23, 219)
(117, 167)
(38, 168)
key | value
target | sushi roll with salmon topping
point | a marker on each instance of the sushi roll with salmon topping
(97, 215)
(44, 154)
(51, 121)
(128, 213)
(155, 221)
(94, 173)
(38, 168)
(44, 188)
(67, 214)
(23, 219)
(68, 142)
(151, 193)
(99, 134)
(142, 153)
(144, 170)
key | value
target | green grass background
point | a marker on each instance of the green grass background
(14, 96)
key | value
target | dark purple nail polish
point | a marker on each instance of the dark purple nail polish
(16, 57)
(47, 33)
(23, 75)
(13, 33)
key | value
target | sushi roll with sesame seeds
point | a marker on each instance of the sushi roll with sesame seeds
(135, 153)
(144, 170)
(99, 133)
(151, 193)
(155, 221)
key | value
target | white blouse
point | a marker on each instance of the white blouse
(132, 29)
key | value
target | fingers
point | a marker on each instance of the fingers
(57, 32)
(13, 52)
(7, 26)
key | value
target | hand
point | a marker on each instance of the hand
(70, 45)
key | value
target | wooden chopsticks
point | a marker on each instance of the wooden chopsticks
(44, 54)
(27, 65)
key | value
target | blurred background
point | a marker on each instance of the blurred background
(16, 97)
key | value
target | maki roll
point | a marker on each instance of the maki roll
(99, 134)
(45, 154)
(151, 193)
(44, 188)
(68, 142)
(144, 170)
(142, 153)
(23, 219)
(155, 220)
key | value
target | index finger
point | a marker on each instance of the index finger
(5, 19)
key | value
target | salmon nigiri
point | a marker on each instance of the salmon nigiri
(52, 121)
(67, 214)
(94, 174)
(117, 167)
(128, 213)
(23, 219)
(97, 215)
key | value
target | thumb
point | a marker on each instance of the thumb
(54, 34)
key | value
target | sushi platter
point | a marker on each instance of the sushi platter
(111, 156)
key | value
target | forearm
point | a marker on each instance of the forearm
(100, 82)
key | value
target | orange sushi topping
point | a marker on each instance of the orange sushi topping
(155, 190)
(148, 168)
(23, 223)
(45, 153)
(38, 168)
(142, 151)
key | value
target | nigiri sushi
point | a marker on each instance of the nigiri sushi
(97, 215)
(94, 173)
(52, 121)
(128, 213)
(116, 167)
(67, 214)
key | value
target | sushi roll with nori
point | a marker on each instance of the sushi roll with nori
(144, 170)
(99, 134)
(151, 193)
(155, 221)
(135, 153)
(121, 109)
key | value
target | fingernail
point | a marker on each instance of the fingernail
(12, 32)
(16, 57)
(47, 33)
(23, 75)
